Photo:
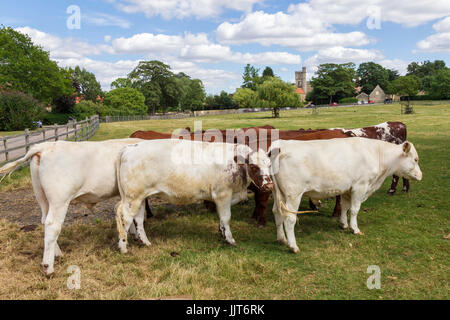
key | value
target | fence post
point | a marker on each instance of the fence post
(87, 128)
(43, 135)
(75, 130)
(5, 145)
(27, 140)
(56, 132)
(67, 131)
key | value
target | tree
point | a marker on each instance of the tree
(275, 93)
(27, 67)
(440, 85)
(406, 86)
(121, 83)
(268, 72)
(219, 101)
(157, 83)
(88, 86)
(18, 111)
(371, 74)
(250, 77)
(425, 71)
(245, 97)
(334, 80)
(195, 95)
(126, 101)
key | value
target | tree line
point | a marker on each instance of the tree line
(336, 82)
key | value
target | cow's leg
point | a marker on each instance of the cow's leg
(289, 222)
(345, 205)
(261, 201)
(53, 224)
(405, 185)
(281, 236)
(252, 187)
(138, 223)
(127, 211)
(224, 211)
(355, 205)
(337, 207)
(393, 187)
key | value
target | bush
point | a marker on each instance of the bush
(87, 108)
(125, 101)
(348, 100)
(18, 111)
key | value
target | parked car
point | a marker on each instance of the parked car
(388, 100)
(371, 101)
(38, 123)
(311, 105)
(334, 104)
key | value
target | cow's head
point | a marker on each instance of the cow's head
(409, 162)
(257, 165)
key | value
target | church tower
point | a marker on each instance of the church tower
(300, 79)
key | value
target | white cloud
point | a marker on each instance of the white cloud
(197, 48)
(64, 48)
(184, 8)
(341, 55)
(298, 29)
(438, 42)
(396, 64)
(309, 25)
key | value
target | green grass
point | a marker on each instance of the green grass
(404, 234)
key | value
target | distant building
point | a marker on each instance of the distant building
(377, 94)
(363, 97)
(301, 83)
(301, 93)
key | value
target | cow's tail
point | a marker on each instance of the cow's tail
(10, 167)
(119, 206)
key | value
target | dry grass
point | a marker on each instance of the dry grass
(405, 235)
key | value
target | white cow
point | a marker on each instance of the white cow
(183, 172)
(65, 171)
(354, 168)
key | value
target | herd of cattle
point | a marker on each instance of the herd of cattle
(287, 164)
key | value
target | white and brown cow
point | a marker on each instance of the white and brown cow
(183, 172)
(64, 171)
(394, 132)
(358, 169)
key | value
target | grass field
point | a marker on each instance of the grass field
(406, 235)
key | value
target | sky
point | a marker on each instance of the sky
(213, 40)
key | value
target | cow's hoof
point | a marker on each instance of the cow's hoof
(405, 191)
(391, 192)
(48, 272)
(359, 233)
(261, 225)
(232, 242)
(282, 241)
(123, 246)
(294, 249)
(343, 226)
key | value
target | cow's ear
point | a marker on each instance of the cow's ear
(406, 147)
(274, 152)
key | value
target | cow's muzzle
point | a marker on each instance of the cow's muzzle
(267, 187)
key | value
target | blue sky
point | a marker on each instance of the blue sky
(213, 39)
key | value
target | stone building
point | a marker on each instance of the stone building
(300, 81)
(363, 97)
(377, 94)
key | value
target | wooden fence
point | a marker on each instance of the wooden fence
(16, 146)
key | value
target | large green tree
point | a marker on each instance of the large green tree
(26, 67)
(371, 74)
(275, 93)
(250, 78)
(158, 84)
(406, 86)
(125, 101)
(425, 71)
(87, 85)
(440, 85)
(334, 81)
(121, 83)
